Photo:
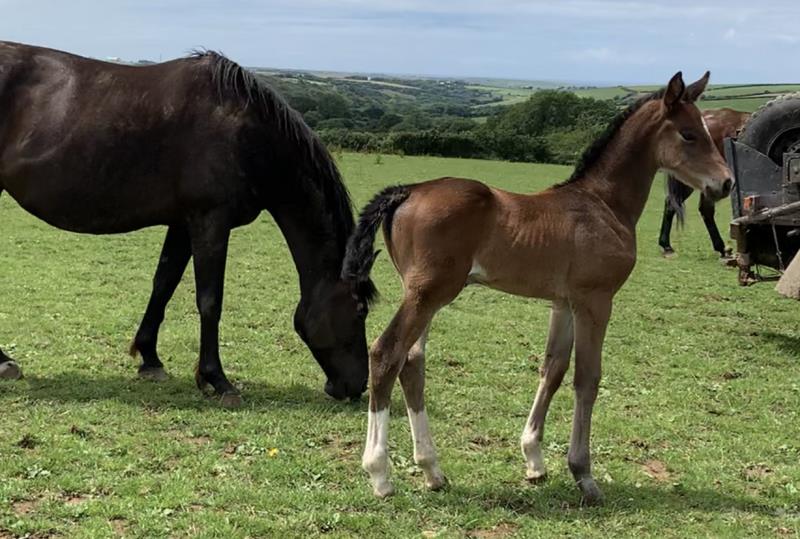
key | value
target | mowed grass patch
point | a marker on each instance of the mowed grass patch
(695, 430)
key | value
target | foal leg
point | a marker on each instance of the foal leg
(707, 211)
(412, 380)
(209, 249)
(9, 369)
(551, 373)
(591, 320)
(174, 256)
(386, 358)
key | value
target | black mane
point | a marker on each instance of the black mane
(591, 155)
(232, 81)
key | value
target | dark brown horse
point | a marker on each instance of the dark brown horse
(721, 123)
(200, 146)
(573, 244)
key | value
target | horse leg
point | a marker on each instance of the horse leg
(209, 238)
(707, 211)
(666, 227)
(591, 319)
(551, 373)
(174, 257)
(386, 358)
(412, 380)
(9, 369)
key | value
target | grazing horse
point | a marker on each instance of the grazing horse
(721, 123)
(196, 144)
(573, 244)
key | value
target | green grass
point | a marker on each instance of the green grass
(700, 376)
(602, 93)
(744, 104)
(755, 89)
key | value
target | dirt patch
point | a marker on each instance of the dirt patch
(756, 472)
(24, 507)
(28, 441)
(657, 470)
(75, 499)
(119, 525)
(481, 441)
(197, 440)
(503, 529)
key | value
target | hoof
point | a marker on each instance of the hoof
(668, 253)
(383, 490)
(439, 482)
(230, 400)
(729, 261)
(10, 370)
(591, 496)
(155, 374)
(199, 379)
(536, 476)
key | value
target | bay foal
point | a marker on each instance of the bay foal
(573, 244)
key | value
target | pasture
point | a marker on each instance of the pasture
(744, 97)
(695, 429)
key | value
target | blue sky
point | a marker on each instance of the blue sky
(566, 40)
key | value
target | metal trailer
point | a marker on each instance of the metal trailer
(765, 161)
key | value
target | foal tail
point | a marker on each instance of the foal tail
(359, 256)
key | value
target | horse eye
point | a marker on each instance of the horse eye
(688, 136)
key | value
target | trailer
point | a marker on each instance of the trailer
(765, 161)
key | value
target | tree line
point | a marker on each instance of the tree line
(430, 117)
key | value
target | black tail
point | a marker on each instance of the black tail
(359, 256)
(677, 193)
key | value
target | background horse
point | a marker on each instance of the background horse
(573, 244)
(196, 144)
(721, 123)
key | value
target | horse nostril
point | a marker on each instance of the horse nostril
(726, 186)
(334, 391)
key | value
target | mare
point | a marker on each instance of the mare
(200, 146)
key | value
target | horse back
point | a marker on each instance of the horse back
(98, 147)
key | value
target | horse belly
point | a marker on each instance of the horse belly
(76, 207)
(525, 274)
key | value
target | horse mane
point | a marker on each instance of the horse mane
(232, 81)
(592, 154)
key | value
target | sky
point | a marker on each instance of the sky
(559, 40)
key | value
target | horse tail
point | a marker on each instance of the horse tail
(676, 196)
(359, 255)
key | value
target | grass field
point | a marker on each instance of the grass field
(745, 97)
(695, 431)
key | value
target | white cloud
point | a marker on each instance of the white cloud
(730, 34)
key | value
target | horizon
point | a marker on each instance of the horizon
(599, 43)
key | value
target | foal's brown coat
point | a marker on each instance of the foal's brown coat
(574, 244)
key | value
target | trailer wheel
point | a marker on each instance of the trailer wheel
(774, 129)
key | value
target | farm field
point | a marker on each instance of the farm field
(740, 97)
(695, 429)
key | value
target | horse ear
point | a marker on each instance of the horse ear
(695, 89)
(674, 91)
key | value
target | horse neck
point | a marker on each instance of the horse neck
(623, 176)
(316, 250)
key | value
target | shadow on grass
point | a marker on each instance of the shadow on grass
(787, 343)
(560, 500)
(176, 392)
